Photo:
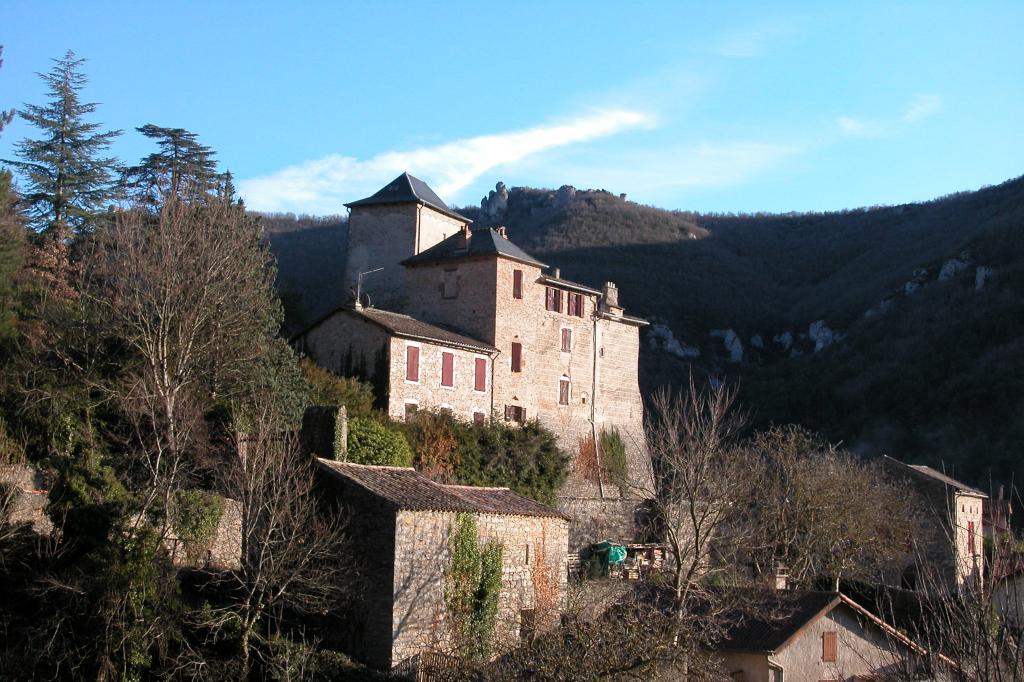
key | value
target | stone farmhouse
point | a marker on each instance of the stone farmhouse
(451, 318)
(809, 635)
(403, 521)
(952, 551)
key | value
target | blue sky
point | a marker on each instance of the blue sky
(699, 106)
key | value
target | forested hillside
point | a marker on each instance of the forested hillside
(919, 368)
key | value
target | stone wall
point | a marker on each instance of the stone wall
(472, 308)
(427, 393)
(346, 344)
(383, 236)
(534, 551)
(29, 494)
(224, 550)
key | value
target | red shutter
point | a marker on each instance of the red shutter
(447, 369)
(563, 392)
(517, 284)
(479, 418)
(970, 538)
(517, 357)
(829, 647)
(549, 298)
(572, 310)
(566, 340)
(412, 363)
(558, 301)
(480, 375)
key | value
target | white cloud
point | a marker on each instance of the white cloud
(860, 127)
(322, 185)
(751, 41)
(921, 107)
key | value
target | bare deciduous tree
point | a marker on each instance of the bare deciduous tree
(293, 549)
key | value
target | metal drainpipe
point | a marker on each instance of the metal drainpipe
(593, 408)
(494, 359)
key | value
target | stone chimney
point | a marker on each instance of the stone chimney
(610, 299)
(502, 231)
(556, 273)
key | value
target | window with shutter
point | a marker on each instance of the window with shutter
(970, 538)
(829, 647)
(566, 340)
(412, 363)
(517, 357)
(515, 413)
(578, 305)
(517, 284)
(553, 299)
(563, 391)
(479, 418)
(447, 369)
(480, 375)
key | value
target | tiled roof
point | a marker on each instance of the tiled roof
(408, 327)
(788, 611)
(403, 325)
(575, 286)
(481, 242)
(406, 189)
(408, 489)
(927, 473)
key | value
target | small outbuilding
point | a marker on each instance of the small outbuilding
(401, 525)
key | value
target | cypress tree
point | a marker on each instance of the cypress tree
(67, 178)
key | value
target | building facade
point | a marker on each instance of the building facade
(404, 522)
(500, 336)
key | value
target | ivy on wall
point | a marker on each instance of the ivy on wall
(195, 516)
(613, 456)
(472, 588)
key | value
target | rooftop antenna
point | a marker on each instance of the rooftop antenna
(359, 286)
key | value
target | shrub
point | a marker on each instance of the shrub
(195, 515)
(613, 456)
(371, 442)
(327, 388)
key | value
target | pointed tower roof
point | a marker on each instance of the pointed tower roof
(406, 189)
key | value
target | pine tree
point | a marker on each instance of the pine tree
(67, 179)
(181, 168)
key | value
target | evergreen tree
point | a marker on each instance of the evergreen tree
(181, 168)
(67, 178)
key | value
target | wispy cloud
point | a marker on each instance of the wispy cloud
(859, 127)
(921, 107)
(322, 185)
(751, 41)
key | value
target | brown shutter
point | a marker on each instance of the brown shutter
(412, 363)
(447, 369)
(517, 357)
(549, 298)
(566, 340)
(480, 375)
(479, 418)
(970, 538)
(517, 284)
(563, 392)
(829, 647)
(558, 301)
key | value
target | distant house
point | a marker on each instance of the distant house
(952, 549)
(402, 522)
(809, 635)
(451, 318)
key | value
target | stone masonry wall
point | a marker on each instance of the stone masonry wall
(382, 237)
(345, 344)
(534, 551)
(427, 393)
(472, 308)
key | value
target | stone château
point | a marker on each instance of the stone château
(450, 318)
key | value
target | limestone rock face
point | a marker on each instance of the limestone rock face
(495, 203)
(981, 277)
(733, 345)
(821, 335)
(952, 268)
(661, 336)
(785, 339)
(564, 196)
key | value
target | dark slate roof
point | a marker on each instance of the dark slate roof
(481, 242)
(408, 327)
(406, 189)
(575, 286)
(789, 612)
(929, 474)
(405, 488)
